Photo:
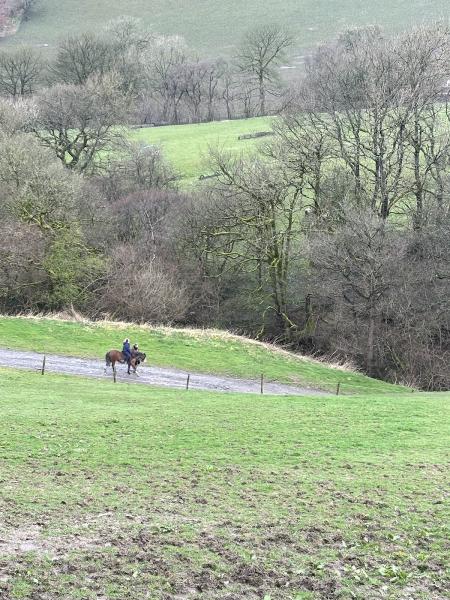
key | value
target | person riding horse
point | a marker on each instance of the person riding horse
(131, 356)
(126, 350)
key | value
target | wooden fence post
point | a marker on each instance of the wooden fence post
(187, 382)
(114, 373)
(43, 366)
(262, 383)
(338, 389)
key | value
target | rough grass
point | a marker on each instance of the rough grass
(186, 146)
(215, 27)
(206, 351)
(114, 493)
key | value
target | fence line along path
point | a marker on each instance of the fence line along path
(148, 375)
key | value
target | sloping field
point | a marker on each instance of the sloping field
(215, 27)
(186, 147)
(203, 351)
(115, 492)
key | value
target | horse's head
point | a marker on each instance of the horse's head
(140, 357)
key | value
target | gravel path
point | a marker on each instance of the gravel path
(172, 378)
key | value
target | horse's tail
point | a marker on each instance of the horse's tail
(108, 359)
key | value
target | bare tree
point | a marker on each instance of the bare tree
(353, 267)
(229, 88)
(255, 226)
(80, 57)
(166, 69)
(359, 95)
(34, 187)
(139, 168)
(122, 46)
(260, 55)
(424, 55)
(307, 153)
(22, 275)
(144, 292)
(78, 122)
(21, 72)
(16, 116)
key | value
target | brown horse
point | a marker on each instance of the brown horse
(116, 356)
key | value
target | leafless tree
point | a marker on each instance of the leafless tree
(359, 89)
(255, 227)
(78, 122)
(21, 72)
(139, 168)
(16, 116)
(166, 75)
(35, 189)
(229, 89)
(424, 56)
(80, 57)
(261, 53)
(354, 268)
(145, 292)
(22, 274)
(122, 47)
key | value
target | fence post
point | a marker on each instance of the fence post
(338, 389)
(187, 382)
(114, 373)
(43, 366)
(262, 383)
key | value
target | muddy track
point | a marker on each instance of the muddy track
(172, 378)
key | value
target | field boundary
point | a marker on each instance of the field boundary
(151, 376)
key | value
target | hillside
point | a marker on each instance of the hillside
(203, 351)
(114, 492)
(214, 28)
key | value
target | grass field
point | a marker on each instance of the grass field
(114, 493)
(186, 147)
(215, 28)
(191, 350)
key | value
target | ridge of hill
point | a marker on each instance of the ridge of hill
(193, 350)
(214, 28)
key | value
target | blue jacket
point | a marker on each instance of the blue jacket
(126, 348)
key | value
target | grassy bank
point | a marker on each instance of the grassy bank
(190, 350)
(115, 492)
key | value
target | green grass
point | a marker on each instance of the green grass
(190, 350)
(215, 28)
(187, 146)
(114, 492)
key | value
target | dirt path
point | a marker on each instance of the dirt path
(166, 377)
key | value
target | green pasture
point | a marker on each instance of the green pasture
(190, 350)
(186, 147)
(215, 28)
(117, 491)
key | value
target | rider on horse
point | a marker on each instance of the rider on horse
(126, 350)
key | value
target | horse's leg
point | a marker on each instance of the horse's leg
(132, 363)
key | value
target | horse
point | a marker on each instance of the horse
(114, 356)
